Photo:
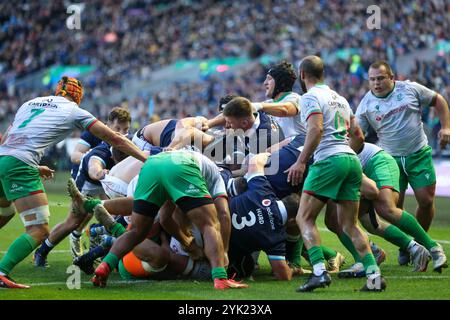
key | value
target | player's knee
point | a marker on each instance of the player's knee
(425, 202)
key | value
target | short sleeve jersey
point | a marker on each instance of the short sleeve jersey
(41, 123)
(291, 126)
(211, 173)
(102, 153)
(396, 118)
(367, 153)
(257, 222)
(336, 114)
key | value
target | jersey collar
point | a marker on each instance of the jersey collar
(282, 96)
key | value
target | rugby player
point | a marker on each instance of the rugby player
(38, 124)
(336, 173)
(392, 109)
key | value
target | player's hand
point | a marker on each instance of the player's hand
(295, 173)
(194, 251)
(444, 137)
(45, 172)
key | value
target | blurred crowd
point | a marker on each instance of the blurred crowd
(132, 38)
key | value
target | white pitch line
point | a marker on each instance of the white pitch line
(53, 251)
(441, 241)
(40, 284)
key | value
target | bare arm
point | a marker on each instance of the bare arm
(219, 120)
(117, 140)
(78, 152)
(281, 270)
(5, 135)
(279, 145)
(280, 109)
(356, 135)
(96, 169)
(441, 107)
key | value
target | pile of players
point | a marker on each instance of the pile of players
(200, 198)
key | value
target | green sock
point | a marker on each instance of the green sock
(112, 260)
(295, 252)
(219, 273)
(90, 204)
(117, 230)
(348, 244)
(396, 236)
(370, 265)
(328, 253)
(316, 255)
(17, 251)
(409, 225)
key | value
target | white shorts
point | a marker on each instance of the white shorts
(92, 190)
(175, 245)
(132, 186)
(114, 187)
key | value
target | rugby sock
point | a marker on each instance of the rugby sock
(396, 236)
(45, 248)
(90, 204)
(76, 234)
(348, 244)
(370, 265)
(317, 260)
(95, 253)
(409, 225)
(294, 251)
(112, 260)
(328, 253)
(17, 251)
(117, 230)
(219, 273)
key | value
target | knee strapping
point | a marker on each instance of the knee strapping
(35, 216)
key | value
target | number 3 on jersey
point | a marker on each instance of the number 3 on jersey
(244, 222)
(34, 114)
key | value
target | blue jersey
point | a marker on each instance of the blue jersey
(265, 133)
(89, 140)
(103, 153)
(257, 220)
(167, 134)
(286, 157)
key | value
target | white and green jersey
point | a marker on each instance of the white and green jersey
(367, 153)
(40, 123)
(396, 118)
(336, 120)
(211, 173)
(291, 126)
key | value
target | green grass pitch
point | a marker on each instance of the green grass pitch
(50, 283)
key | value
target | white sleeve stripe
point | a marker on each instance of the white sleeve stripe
(100, 159)
(84, 142)
(271, 257)
(248, 177)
